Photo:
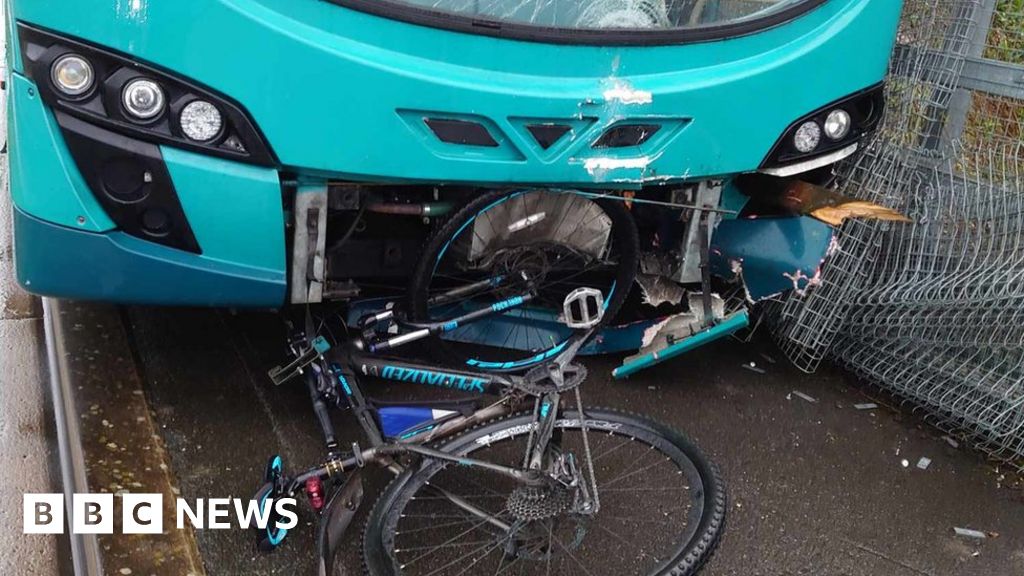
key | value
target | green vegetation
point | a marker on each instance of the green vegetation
(1006, 40)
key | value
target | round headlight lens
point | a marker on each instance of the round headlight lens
(201, 121)
(807, 137)
(72, 74)
(837, 125)
(143, 99)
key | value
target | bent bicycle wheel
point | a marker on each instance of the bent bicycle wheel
(506, 243)
(662, 507)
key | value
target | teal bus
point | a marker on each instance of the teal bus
(505, 173)
(271, 152)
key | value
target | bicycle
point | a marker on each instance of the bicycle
(531, 481)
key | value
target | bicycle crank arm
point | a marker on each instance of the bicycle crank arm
(421, 331)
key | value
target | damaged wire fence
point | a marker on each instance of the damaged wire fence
(933, 311)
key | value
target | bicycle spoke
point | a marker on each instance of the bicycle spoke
(443, 544)
(625, 536)
(558, 256)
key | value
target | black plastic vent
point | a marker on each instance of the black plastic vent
(626, 135)
(547, 134)
(463, 132)
(131, 182)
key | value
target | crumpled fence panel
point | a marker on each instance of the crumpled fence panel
(933, 311)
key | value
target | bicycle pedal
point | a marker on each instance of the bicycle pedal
(583, 308)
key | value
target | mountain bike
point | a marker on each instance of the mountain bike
(523, 478)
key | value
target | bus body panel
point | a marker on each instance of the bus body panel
(332, 88)
(342, 95)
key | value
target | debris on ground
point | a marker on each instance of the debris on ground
(753, 367)
(866, 406)
(767, 358)
(952, 442)
(803, 396)
(924, 462)
(905, 463)
(976, 534)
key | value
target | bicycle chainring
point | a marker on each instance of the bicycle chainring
(549, 378)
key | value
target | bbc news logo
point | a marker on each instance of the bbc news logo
(144, 513)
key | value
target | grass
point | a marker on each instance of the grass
(1006, 39)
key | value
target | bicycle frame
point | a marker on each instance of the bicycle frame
(342, 368)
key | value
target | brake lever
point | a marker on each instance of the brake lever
(304, 356)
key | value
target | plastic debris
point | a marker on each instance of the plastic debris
(952, 442)
(866, 406)
(767, 358)
(969, 533)
(924, 462)
(658, 290)
(803, 396)
(905, 463)
(753, 367)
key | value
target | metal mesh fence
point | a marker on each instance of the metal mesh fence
(933, 311)
(933, 42)
(1005, 40)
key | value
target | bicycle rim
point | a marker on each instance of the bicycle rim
(659, 500)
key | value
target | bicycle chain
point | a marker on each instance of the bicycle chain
(586, 450)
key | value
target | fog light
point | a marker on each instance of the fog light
(807, 137)
(72, 74)
(837, 125)
(143, 99)
(201, 121)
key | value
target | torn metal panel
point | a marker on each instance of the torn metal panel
(771, 255)
(673, 328)
(708, 194)
(729, 325)
(309, 244)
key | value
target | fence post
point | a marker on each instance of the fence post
(960, 103)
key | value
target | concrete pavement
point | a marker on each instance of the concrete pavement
(815, 487)
(27, 432)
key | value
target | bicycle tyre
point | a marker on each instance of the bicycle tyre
(379, 557)
(623, 236)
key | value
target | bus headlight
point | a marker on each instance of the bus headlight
(807, 137)
(827, 134)
(200, 120)
(837, 125)
(143, 99)
(124, 95)
(72, 74)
